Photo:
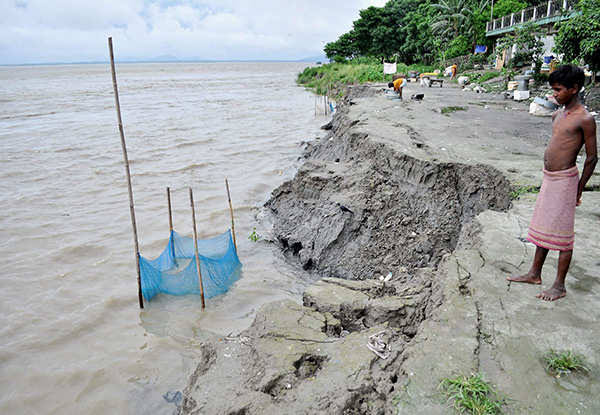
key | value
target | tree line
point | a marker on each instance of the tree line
(428, 31)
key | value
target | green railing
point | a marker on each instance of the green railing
(547, 12)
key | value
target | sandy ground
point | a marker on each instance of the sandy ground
(498, 329)
(432, 188)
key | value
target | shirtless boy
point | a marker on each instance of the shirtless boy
(552, 225)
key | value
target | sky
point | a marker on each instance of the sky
(46, 31)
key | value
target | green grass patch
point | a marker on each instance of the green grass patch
(563, 362)
(481, 77)
(451, 109)
(521, 190)
(484, 76)
(333, 77)
(472, 395)
(254, 237)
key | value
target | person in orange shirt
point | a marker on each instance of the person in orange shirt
(454, 69)
(398, 84)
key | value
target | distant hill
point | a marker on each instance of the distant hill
(321, 58)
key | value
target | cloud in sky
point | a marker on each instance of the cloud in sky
(37, 31)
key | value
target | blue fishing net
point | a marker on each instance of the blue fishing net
(174, 271)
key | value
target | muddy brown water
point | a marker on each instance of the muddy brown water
(73, 337)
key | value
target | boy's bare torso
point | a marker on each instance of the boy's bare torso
(567, 139)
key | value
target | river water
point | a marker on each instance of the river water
(72, 336)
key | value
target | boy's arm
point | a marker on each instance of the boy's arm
(588, 126)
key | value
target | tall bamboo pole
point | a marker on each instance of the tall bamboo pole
(196, 249)
(231, 213)
(170, 222)
(126, 161)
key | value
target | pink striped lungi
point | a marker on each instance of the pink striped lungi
(553, 222)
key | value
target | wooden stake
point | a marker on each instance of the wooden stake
(126, 161)
(196, 249)
(170, 222)
(231, 213)
(170, 214)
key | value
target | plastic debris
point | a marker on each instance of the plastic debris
(377, 345)
(463, 80)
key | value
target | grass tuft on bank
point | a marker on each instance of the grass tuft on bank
(472, 395)
(563, 362)
(451, 109)
(334, 77)
(521, 190)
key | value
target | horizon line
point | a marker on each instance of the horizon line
(159, 61)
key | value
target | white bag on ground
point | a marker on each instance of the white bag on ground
(539, 110)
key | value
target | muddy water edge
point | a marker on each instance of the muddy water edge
(356, 210)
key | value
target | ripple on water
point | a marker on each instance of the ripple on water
(69, 305)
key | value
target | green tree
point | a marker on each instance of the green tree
(460, 20)
(528, 43)
(399, 29)
(417, 44)
(579, 37)
(343, 47)
(477, 17)
(364, 27)
(506, 7)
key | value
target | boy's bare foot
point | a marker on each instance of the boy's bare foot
(552, 294)
(528, 278)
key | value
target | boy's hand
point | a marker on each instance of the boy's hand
(579, 192)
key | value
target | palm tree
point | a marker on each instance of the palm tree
(453, 14)
(456, 16)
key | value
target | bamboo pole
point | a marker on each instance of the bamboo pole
(170, 222)
(170, 214)
(231, 213)
(196, 250)
(126, 161)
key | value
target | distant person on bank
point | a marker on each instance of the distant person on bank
(454, 71)
(552, 225)
(398, 84)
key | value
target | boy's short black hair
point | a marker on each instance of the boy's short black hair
(568, 75)
(390, 85)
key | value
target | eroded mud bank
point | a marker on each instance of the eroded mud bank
(356, 210)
